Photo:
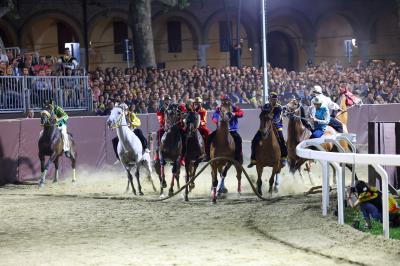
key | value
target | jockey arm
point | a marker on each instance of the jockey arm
(134, 121)
(203, 117)
(161, 118)
(62, 116)
(237, 112)
(331, 104)
(215, 116)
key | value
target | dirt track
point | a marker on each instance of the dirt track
(94, 223)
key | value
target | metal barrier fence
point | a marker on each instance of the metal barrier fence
(17, 94)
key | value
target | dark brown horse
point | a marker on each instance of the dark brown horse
(51, 144)
(268, 153)
(170, 149)
(296, 133)
(195, 150)
(223, 145)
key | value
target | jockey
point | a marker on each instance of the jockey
(161, 117)
(197, 107)
(331, 106)
(233, 128)
(274, 110)
(61, 122)
(320, 118)
(134, 124)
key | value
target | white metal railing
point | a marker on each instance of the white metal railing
(18, 93)
(375, 160)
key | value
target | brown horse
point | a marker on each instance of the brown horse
(223, 145)
(170, 148)
(296, 133)
(195, 150)
(268, 153)
(51, 144)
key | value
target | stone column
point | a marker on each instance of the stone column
(255, 55)
(202, 54)
(363, 50)
(309, 48)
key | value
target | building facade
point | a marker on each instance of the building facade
(298, 31)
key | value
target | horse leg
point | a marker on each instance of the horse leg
(277, 182)
(174, 169)
(192, 174)
(138, 181)
(239, 179)
(271, 181)
(222, 188)
(130, 178)
(214, 184)
(187, 170)
(56, 167)
(73, 165)
(46, 168)
(259, 180)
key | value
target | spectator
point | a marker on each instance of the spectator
(3, 57)
(30, 113)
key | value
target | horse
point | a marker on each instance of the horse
(130, 150)
(170, 148)
(296, 133)
(195, 148)
(51, 144)
(268, 153)
(223, 145)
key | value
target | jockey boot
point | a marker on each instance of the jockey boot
(283, 161)
(252, 163)
(254, 141)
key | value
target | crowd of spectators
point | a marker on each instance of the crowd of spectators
(143, 89)
(31, 64)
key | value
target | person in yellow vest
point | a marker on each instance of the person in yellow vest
(134, 124)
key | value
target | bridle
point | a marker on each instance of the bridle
(119, 119)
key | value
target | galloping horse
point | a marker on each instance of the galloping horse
(296, 133)
(170, 148)
(268, 153)
(195, 150)
(51, 144)
(130, 150)
(223, 145)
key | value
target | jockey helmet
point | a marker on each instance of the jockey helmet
(273, 95)
(198, 100)
(316, 100)
(317, 89)
(48, 104)
(167, 97)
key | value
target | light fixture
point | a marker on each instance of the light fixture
(354, 42)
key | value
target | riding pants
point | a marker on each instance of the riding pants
(63, 130)
(336, 125)
(317, 134)
(205, 132)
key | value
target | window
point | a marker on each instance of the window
(174, 37)
(224, 39)
(64, 34)
(120, 34)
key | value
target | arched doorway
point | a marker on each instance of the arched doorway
(280, 50)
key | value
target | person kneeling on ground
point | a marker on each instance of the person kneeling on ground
(369, 199)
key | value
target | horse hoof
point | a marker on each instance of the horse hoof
(55, 180)
(223, 190)
(73, 180)
(239, 195)
(164, 184)
(170, 193)
(214, 201)
(41, 185)
(134, 193)
(186, 198)
(141, 193)
(162, 196)
(276, 190)
(191, 187)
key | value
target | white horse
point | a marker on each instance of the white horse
(130, 150)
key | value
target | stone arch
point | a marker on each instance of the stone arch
(185, 16)
(28, 38)
(101, 38)
(8, 34)
(332, 28)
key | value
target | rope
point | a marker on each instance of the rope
(236, 163)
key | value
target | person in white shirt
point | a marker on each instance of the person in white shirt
(3, 57)
(332, 108)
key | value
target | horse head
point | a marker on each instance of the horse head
(192, 122)
(172, 116)
(225, 113)
(292, 109)
(47, 118)
(265, 124)
(116, 118)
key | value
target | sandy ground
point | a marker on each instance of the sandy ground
(92, 222)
